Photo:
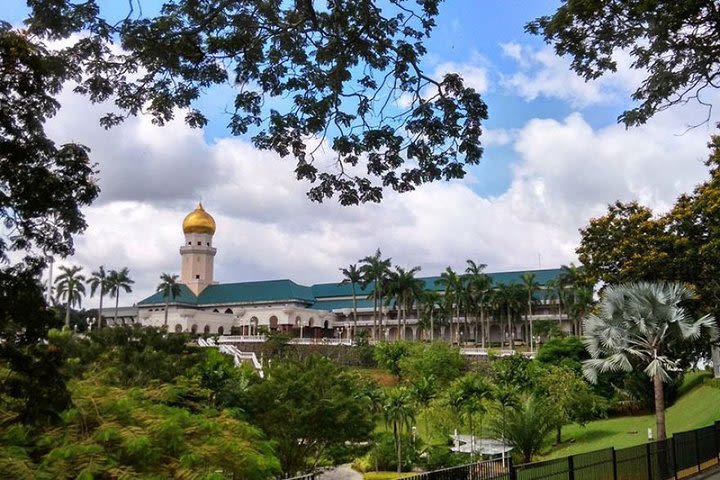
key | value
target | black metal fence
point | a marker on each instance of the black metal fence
(678, 457)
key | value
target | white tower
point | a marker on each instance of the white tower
(197, 253)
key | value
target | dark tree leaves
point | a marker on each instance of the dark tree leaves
(345, 74)
(675, 43)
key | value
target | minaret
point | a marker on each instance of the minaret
(198, 253)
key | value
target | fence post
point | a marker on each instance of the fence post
(697, 450)
(648, 455)
(674, 456)
(571, 468)
(717, 439)
(511, 469)
(614, 463)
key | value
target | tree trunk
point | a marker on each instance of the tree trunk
(432, 324)
(67, 314)
(399, 446)
(99, 317)
(482, 327)
(659, 406)
(117, 301)
(400, 332)
(375, 301)
(354, 314)
(715, 353)
(558, 435)
(167, 305)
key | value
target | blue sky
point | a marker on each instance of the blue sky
(554, 158)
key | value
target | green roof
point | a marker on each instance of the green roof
(322, 296)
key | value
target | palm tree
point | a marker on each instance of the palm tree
(374, 270)
(454, 286)
(555, 290)
(636, 327)
(405, 290)
(353, 276)
(478, 285)
(525, 427)
(580, 303)
(467, 396)
(119, 280)
(170, 289)
(430, 301)
(530, 286)
(400, 412)
(71, 287)
(99, 281)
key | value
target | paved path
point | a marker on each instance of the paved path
(343, 472)
(713, 474)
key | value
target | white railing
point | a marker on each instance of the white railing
(238, 356)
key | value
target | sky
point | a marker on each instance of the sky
(554, 158)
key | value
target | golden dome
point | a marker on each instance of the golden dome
(199, 221)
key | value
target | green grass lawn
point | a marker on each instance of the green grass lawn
(698, 408)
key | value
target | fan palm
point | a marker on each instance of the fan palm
(353, 276)
(99, 282)
(70, 287)
(374, 270)
(117, 281)
(636, 327)
(170, 289)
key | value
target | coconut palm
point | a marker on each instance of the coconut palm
(170, 289)
(453, 285)
(399, 412)
(555, 289)
(99, 282)
(478, 285)
(404, 290)
(637, 326)
(353, 276)
(509, 301)
(374, 270)
(530, 286)
(70, 286)
(580, 302)
(119, 280)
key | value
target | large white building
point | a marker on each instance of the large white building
(315, 311)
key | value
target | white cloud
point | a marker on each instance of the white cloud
(541, 73)
(267, 228)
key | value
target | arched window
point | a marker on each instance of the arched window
(229, 310)
(193, 329)
(206, 329)
(327, 324)
(273, 322)
(221, 330)
(298, 321)
(311, 322)
(178, 328)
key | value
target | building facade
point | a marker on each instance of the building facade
(316, 311)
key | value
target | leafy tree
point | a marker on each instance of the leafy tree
(170, 289)
(306, 407)
(636, 327)
(568, 352)
(405, 290)
(374, 270)
(341, 66)
(399, 410)
(389, 355)
(353, 276)
(99, 282)
(70, 286)
(569, 398)
(525, 427)
(673, 44)
(438, 360)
